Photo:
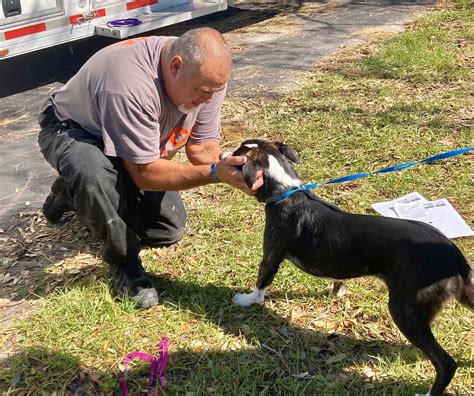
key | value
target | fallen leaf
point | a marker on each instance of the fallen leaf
(297, 313)
(368, 372)
(4, 301)
(198, 346)
(245, 329)
(336, 358)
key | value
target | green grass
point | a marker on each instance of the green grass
(418, 56)
(406, 100)
(426, 53)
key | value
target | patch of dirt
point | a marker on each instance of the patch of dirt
(38, 258)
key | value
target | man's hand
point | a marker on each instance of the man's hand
(228, 173)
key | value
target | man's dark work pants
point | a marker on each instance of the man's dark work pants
(104, 196)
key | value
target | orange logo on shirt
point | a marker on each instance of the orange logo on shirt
(178, 137)
(176, 140)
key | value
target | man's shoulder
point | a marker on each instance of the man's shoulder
(129, 67)
(139, 46)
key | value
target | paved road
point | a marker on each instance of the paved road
(273, 48)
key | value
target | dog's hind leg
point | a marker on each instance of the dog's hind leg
(338, 288)
(413, 320)
(466, 297)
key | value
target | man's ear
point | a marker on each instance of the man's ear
(288, 152)
(249, 171)
(176, 63)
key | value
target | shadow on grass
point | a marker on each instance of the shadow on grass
(62, 371)
(36, 371)
(294, 352)
(281, 357)
(208, 372)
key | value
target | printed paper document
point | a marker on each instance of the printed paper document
(440, 213)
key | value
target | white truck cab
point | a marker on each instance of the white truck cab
(30, 25)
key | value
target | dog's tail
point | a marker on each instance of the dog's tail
(466, 296)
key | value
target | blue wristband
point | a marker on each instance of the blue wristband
(215, 178)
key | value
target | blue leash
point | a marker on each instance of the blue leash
(355, 176)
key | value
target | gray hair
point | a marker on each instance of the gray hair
(196, 45)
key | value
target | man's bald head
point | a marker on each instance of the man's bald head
(195, 66)
(199, 45)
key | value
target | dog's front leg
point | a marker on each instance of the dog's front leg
(266, 273)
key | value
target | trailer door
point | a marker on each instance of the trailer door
(19, 12)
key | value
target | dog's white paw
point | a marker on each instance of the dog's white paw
(339, 290)
(246, 300)
(423, 394)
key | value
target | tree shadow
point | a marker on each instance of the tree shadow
(293, 349)
(42, 371)
(330, 361)
(217, 372)
(295, 358)
(64, 372)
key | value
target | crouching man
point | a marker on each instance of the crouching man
(111, 132)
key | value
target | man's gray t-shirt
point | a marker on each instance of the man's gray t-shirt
(118, 97)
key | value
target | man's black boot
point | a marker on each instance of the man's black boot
(58, 201)
(131, 280)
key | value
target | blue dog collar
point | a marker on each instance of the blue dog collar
(288, 193)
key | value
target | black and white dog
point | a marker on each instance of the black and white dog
(420, 266)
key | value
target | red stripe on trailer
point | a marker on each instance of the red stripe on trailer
(140, 3)
(76, 18)
(25, 31)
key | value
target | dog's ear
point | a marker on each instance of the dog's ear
(245, 147)
(288, 152)
(249, 171)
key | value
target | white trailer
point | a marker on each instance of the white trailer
(30, 25)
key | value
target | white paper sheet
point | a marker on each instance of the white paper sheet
(388, 208)
(439, 213)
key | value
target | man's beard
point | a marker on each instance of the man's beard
(185, 110)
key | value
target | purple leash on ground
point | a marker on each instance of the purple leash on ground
(157, 369)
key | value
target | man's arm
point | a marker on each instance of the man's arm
(204, 153)
(165, 175)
